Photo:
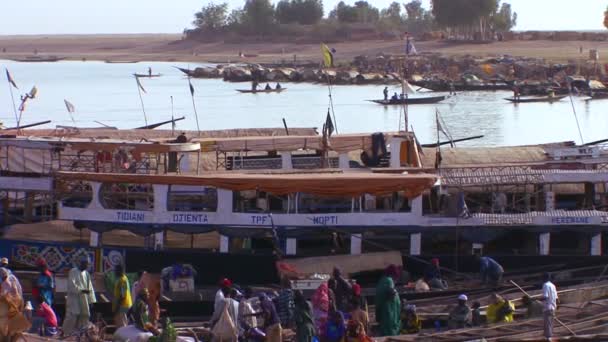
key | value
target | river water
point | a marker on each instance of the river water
(108, 93)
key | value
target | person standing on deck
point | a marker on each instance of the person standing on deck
(80, 296)
(122, 298)
(388, 303)
(150, 71)
(490, 271)
(550, 305)
(385, 92)
(45, 284)
(218, 304)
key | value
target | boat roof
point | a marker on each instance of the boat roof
(322, 184)
(92, 144)
(338, 143)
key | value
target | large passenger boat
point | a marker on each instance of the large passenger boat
(311, 195)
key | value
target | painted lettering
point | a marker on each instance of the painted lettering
(570, 220)
(128, 216)
(190, 218)
(260, 219)
(324, 220)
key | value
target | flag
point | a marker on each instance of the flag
(10, 79)
(139, 85)
(441, 129)
(33, 92)
(69, 106)
(410, 49)
(328, 56)
(463, 209)
(329, 125)
(191, 87)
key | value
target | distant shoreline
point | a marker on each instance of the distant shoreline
(171, 48)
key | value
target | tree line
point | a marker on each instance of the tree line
(261, 17)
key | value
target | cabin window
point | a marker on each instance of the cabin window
(308, 203)
(253, 201)
(395, 202)
(191, 198)
(127, 196)
(76, 194)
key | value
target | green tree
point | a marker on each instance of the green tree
(305, 12)
(414, 10)
(344, 13)
(258, 16)
(505, 19)
(211, 17)
(366, 13)
(392, 14)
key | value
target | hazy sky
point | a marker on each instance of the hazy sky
(162, 16)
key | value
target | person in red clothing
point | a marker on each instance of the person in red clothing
(44, 321)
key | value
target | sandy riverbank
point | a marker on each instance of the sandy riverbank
(170, 47)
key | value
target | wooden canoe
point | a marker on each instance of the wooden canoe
(536, 99)
(147, 75)
(411, 101)
(263, 91)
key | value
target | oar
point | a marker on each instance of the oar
(554, 316)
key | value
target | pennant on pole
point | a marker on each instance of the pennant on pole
(191, 87)
(329, 125)
(10, 79)
(139, 85)
(328, 56)
(69, 106)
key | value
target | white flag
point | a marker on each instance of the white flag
(69, 106)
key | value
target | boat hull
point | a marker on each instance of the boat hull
(411, 101)
(535, 99)
(263, 91)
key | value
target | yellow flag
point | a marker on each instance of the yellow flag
(328, 56)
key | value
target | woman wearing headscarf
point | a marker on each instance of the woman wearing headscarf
(388, 304)
(302, 315)
(45, 284)
(320, 306)
(12, 320)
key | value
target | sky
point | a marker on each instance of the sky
(161, 16)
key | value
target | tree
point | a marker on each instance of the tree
(211, 17)
(392, 14)
(305, 12)
(504, 19)
(414, 10)
(258, 16)
(366, 13)
(344, 13)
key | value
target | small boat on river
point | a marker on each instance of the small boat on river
(147, 75)
(536, 99)
(411, 100)
(250, 91)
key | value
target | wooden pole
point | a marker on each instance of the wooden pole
(554, 317)
(331, 101)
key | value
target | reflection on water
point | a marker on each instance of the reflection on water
(108, 93)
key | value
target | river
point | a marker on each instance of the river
(108, 93)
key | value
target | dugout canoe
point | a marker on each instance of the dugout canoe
(411, 101)
(266, 91)
(549, 99)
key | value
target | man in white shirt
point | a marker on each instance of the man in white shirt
(550, 305)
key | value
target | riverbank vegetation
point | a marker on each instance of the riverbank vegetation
(304, 20)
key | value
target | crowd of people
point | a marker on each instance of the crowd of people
(337, 311)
